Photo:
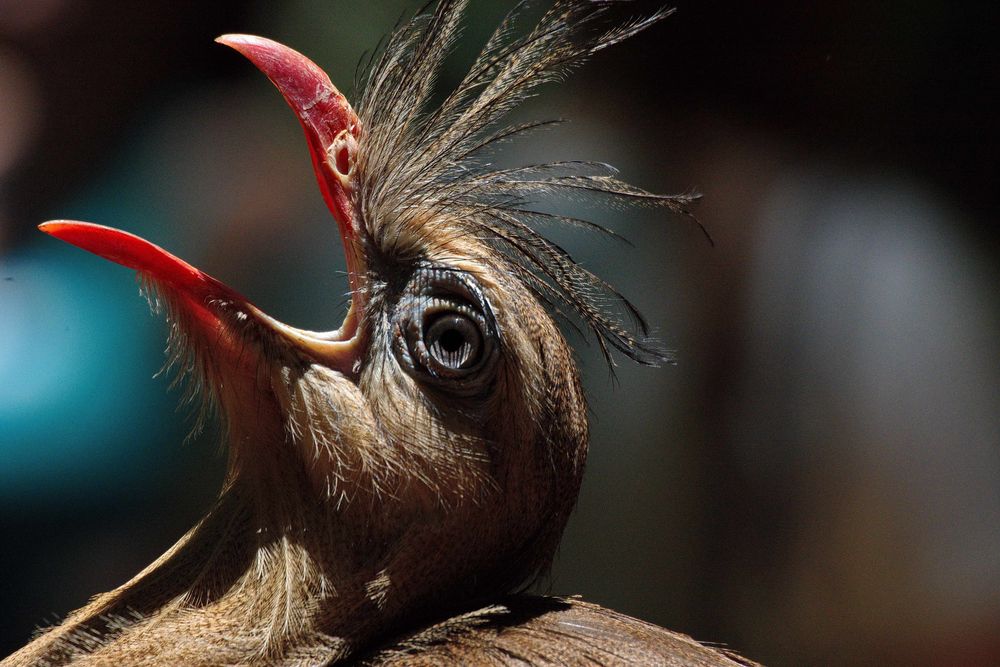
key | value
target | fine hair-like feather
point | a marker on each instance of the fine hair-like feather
(421, 170)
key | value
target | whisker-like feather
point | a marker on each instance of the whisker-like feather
(421, 173)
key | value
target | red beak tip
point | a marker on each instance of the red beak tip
(235, 41)
(261, 51)
(58, 228)
(132, 252)
(50, 226)
(98, 239)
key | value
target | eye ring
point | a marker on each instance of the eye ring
(445, 333)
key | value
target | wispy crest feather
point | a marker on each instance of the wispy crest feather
(420, 170)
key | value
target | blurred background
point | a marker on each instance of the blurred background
(817, 480)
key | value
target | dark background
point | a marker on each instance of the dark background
(817, 481)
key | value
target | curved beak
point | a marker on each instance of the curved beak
(216, 311)
(332, 129)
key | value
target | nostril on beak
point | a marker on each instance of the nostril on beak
(341, 161)
(341, 157)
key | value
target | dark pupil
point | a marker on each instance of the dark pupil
(453, 341)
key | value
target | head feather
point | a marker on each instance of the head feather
(420, 170)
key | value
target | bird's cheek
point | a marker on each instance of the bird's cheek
(329, 422)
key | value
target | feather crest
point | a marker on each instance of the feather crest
(420, 169)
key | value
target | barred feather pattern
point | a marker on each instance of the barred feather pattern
(421, 173)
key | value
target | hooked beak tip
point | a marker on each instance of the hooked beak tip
(52, 227)
(330, 124)
(233, 39)
(252, 47)
(304, 85)
(93, 238)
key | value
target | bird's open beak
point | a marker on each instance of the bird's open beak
(218, 311)
(331, 129)
(330, 125)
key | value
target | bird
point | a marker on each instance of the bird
(393, 486)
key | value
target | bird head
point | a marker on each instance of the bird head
(430, 449)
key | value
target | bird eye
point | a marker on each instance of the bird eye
(453, 341)
(445, 333)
